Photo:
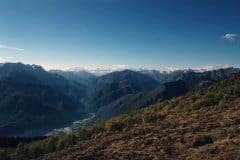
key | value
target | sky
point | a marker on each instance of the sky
(121, 33)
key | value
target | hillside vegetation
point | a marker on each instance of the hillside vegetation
(201, 125)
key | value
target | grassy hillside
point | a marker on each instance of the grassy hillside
(201, 125)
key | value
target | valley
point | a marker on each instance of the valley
(74, 126)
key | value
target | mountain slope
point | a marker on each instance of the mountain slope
(184, 81)
(33, 101)
(115, 85)
(132, 102)
(201, 125)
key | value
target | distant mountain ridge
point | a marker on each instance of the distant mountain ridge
(103, 70)
(74, 75)
(81, 76)
(164, 76)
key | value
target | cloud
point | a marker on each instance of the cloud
(2, 46)
(99, 69)
(230, 36)
(7, 58)
(202, 68)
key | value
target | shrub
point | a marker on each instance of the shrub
(153, 117)
(132, 120)
(84, 133)
(97, 128)
(115, 125)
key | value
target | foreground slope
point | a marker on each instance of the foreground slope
(210, 134)
(201, 125)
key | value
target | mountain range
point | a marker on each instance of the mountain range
(34, 101)
(201, 124)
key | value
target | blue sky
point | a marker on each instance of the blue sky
(135, 33)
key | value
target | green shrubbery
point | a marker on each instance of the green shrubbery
(115, 125)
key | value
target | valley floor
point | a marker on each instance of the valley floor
(199, 134)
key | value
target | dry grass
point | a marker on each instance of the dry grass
(199, 134)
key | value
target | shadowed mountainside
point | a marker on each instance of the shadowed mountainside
(32, 101)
